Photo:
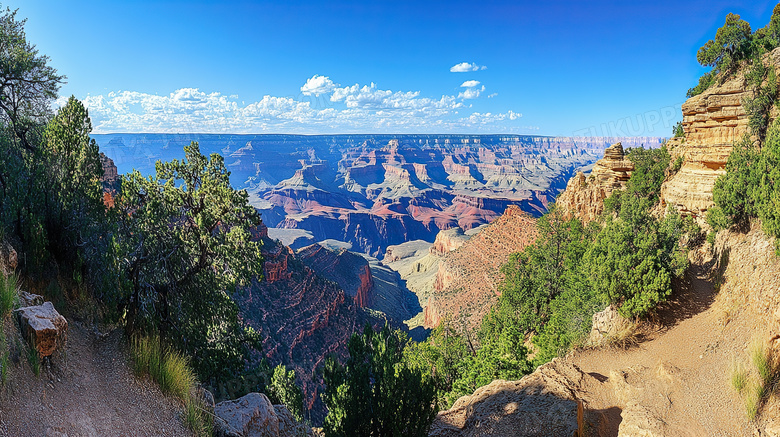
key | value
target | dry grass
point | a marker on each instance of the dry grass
(172, 371)
(739, 376)
(627, 336)
(758, 382)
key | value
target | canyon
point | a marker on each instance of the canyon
(375, 191)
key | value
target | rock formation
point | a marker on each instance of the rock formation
(303, 317)
(544, 403)
(350, 271)
(462, 282)
(253, 416)
(584, 195)
(110, 180)
(43, 327)
(712, 121)
(447, 241)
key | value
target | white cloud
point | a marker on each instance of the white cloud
(318, 85)
(490, 96)
(322, 107)
(471, 93)
(465, 67)
(470, 83)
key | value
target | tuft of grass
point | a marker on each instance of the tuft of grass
(739, 377)
(762, 360)
(753, 395)
(8, 292)
(197, 418)
(171, 370)
(3, 356)
(626, 337)
(34, 359)
(757, 383)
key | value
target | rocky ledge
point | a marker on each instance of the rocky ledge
(584, 195)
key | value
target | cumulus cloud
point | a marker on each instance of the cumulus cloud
(471, 93)
(318, 85)
(465, 67)
(490, 96)
(322, 107)
(470, 83)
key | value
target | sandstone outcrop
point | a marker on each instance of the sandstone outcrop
(447, 241)
(543, 403)
(253, 416)
(110, 180)
(712, 121)
(584, 195)
(43, 327)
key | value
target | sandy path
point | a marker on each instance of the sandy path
(680, 373)
(92, 393)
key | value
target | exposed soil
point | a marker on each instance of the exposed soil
(89, 391)
(679, 373)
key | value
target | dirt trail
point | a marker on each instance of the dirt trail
(91, 393)
(679, 374)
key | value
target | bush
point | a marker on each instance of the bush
(705, 81)
(375, 393)
(283, 390)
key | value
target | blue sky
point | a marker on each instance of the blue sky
(547, 68)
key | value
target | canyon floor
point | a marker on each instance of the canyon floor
(92, 392)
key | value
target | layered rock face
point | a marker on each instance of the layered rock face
(350, 271)
(303, 317)
(584, 195)
(463, 281)
(712, 121)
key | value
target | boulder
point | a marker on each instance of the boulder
(29, 299)
(639, 421)
(250, 416)
(254, 416)
(288, 426)
(43, 327)
(605, 324)
(543, 403)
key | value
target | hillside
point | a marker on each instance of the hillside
(675, 374)
(457, 276)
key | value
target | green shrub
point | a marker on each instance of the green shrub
(705, 81)
(375, 392)
(283, 390)
(678, 131)
(9, 286)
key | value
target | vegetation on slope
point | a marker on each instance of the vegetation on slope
(163, 262)
(553, 287)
